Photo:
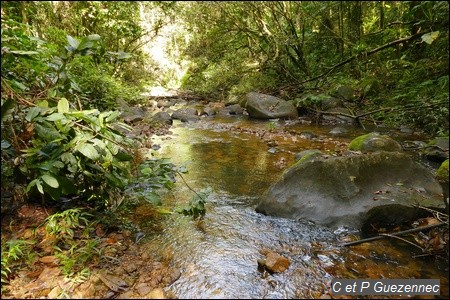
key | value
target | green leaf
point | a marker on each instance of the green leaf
(22, 52)
(112, 147)
(39, 186)
(50, 180)
(93, 37)
(122, 156)
(73, 42)
(85, 44)
(430, 37)
(32, 113)
(153, 198)
(63, 106)
(7, 108)
(83, 113)
(48, 133)
(89, 151)
(100, 119)
(146, 171)
(112, 115)
(30, 185)
(164, 211)
(124, 55)
(19, 85)
(55, 117)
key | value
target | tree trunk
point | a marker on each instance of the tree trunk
(381, 14)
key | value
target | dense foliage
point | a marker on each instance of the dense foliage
(293, 47)
(65, 67)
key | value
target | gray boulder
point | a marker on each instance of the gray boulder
(131, 114)
(339, 131)
(437, 149)
(186, 114)
(261, 106)
(162, 117)
(234, 109)
(341, 190)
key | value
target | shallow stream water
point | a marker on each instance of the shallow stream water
(218, 255)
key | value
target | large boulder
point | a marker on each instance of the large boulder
(261, 106)
(372, 142)
(341, 190)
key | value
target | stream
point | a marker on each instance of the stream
(218, 255)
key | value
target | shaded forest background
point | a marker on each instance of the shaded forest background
(394, 53)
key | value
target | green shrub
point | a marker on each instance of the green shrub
(76, 153)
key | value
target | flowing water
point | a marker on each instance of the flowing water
(218, 255)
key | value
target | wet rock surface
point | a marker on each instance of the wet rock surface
(261, 106)
(341, 190)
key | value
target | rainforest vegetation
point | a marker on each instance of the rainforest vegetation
(66, 67)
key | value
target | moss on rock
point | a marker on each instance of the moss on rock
(442, 172)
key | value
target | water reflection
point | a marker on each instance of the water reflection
(218, 256)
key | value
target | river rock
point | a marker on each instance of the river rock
(162, 117)
(372, 142)
(277, 263)
(131, 114)
(234, 109)
(274, 262)
(156, 294)
(186, 114)
(262, 106)
(437, 149)
(341, 190)
(338, 131)
(308, 155)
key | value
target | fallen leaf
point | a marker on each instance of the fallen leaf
(114, 283)
(51, 260)
(34, 274)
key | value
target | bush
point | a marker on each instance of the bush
(76, 153)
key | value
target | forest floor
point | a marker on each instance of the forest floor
(124, 270)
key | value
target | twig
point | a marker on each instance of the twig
(379, 237)
(402, 239)
(435, 213)
(189, 186)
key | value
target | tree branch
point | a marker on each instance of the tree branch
(393, 234)
(365, 54)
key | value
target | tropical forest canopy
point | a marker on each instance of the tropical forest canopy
(68, 65)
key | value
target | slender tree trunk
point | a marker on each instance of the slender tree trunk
(381, 14)
(341, 27)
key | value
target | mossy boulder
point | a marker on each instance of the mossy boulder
(373, 142)
(341, 190)
(442, 177)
